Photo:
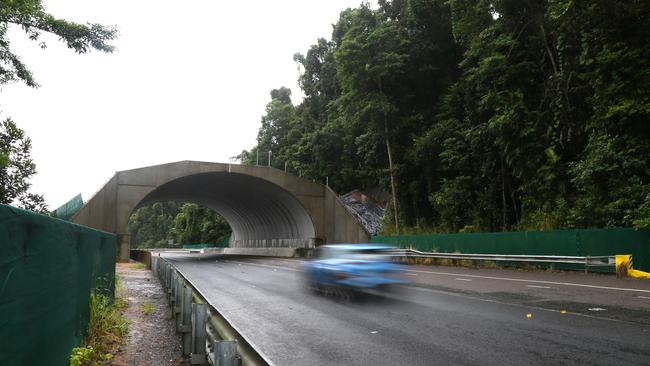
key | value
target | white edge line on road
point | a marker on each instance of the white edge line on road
(534, 286)
(644, 297)
(262, 265)
(462, 279)
(531, 281)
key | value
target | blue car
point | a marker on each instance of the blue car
(347, 268)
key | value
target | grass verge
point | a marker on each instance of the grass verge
(138, 265)
(147, 308)
(106, 329)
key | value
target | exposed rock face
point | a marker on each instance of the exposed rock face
(367, 210)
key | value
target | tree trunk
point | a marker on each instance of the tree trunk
(392, 180)
(390, 165)
(503, 194)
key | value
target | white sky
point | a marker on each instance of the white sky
(189, 81)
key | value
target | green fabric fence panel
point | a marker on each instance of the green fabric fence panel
(48, 268)
(587, 242)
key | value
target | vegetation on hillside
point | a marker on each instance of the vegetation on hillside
(488, 115)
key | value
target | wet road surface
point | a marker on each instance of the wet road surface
(447, 316)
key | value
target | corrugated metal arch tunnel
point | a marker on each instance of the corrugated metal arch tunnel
(256, 209)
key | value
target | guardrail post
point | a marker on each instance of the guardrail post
(178, 292)
(225, 354)
(186, 319)
(174, 292)
(168, 278)
(199, 334)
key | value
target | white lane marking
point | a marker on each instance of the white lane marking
(374, 332)
(463, 279)
(533, 286)
(597, 309)
(410, 274)
(531, 281)
(265, 265)
(644, 297)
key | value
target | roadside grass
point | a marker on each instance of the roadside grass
(106, 329)
(138, 265)
(147, 308)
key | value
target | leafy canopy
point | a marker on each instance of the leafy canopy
(31, 16)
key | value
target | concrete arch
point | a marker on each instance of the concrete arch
(265, 207)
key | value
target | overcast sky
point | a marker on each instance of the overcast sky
(189, 81)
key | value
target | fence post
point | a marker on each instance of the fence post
(172, 297)
(199, 334)
(225, 353)
(168, 279)
(177, 304)
(186, 318)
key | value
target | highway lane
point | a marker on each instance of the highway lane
(424, 324)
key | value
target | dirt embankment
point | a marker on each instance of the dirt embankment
(152, 339)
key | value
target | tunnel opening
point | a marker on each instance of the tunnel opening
(259, 213)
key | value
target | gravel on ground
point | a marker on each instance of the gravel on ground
(152, 339)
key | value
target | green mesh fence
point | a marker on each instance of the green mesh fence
(48, 268)
(560, 242)
(68, 209)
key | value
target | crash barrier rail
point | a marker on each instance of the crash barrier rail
(577, 242)
(207, 336)
(587, 262)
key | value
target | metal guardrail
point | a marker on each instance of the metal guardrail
(588, 261)
(207, 337)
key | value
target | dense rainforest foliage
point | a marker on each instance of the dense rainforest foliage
(490, 114)
(184, 223)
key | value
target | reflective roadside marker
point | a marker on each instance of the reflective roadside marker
(529, 316)
(563, 312)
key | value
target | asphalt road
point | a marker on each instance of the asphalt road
(447, 316)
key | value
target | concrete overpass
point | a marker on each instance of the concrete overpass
(264, 206)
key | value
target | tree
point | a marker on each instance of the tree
(371, 58)
(153, 225)
(17, 168)
(195, 224)
(16, 165)
(31, 16)
(479, 115)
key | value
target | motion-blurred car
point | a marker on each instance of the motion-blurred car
(349, 268)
